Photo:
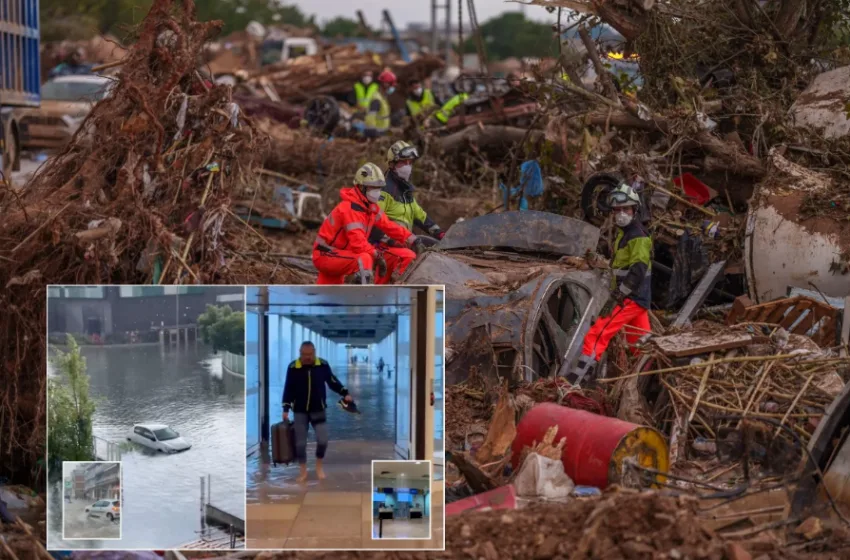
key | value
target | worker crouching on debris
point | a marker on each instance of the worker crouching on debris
(342, 245)
(378, 113)
(631, 284)
(398, 202)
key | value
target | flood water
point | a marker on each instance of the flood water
(374, 395)
(188, 390)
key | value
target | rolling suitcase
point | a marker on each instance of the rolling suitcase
(283, 443)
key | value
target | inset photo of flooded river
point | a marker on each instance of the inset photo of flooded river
(167, 400)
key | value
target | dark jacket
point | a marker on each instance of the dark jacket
(399, 203)
(632, 264)
(304, 389)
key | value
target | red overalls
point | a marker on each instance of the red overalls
(342, 245)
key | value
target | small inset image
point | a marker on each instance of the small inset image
(401, 500)
(91, 505)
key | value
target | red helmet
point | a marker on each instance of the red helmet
(387, 77)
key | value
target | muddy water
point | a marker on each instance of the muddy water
(187, 390)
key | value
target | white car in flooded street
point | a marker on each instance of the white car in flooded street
(158, 437)
(109, 509)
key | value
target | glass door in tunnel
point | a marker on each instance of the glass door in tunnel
(439, 327)
(403, 384)
(252, 379)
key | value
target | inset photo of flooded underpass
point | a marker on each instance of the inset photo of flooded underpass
(153, 377)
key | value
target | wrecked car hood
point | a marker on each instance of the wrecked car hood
(510, 313)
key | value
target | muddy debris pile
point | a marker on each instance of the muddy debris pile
(143, 194)
(334, 71)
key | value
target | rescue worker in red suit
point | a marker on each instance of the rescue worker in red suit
(631, 284)
(342, 245)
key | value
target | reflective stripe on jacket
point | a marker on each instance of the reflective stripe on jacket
(349, 224)
(400, 205)
(378, 117)
(632, 264)
(415, 107)
(445, 112)
(363, 93)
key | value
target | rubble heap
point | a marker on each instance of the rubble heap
(335, 70)
(143, 193)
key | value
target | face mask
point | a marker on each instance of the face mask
(404, 171)
(417, 92)
(391, 90)
(622, 219)
(367, 80)
(374, 195)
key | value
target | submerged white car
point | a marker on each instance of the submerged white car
(110, 509)
(158, 437)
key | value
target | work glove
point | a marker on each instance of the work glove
(418, 246)
(380, 265)
(618, 297)
(441, 235)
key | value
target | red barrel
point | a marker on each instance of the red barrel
(596, 447)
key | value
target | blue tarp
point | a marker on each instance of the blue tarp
(531, 184)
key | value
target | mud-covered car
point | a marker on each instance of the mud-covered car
(520, 295)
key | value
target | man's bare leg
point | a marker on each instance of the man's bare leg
(302, 478)
(319, 470)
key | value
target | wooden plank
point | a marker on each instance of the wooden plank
(739, 310)
(692, 343)
(794, 314)
(777, 314)
(826, 334)
(697, 297)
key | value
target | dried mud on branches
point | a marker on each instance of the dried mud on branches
(142, 193)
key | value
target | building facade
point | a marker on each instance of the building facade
(79, 483)
(103, 481)
(104, 310)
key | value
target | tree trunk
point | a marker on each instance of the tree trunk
(789, 16)
(486, 136)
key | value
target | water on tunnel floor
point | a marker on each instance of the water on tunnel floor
(188, 390)
(374, 427)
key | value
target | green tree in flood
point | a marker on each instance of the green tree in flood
(223, 329)
(69, 436)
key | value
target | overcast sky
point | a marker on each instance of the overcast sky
(410, 11)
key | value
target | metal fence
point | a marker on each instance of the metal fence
(105, 450)
(234, 362)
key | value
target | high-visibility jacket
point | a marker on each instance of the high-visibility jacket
(378, 115)
(348, 225)
(363, 93)
(415, 107)
(632, 264)
(398, 202)
(445, 112)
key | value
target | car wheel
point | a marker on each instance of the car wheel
(110, 517)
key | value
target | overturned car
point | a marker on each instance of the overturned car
(520, 293)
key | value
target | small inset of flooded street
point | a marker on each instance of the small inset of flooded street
(187, 390)
(80, 524)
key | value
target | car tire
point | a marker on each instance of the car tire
(110, 517)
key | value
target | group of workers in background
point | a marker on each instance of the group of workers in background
(371, 99)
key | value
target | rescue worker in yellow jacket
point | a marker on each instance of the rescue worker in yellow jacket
(363, 90)
(420, 101)
(378, 112)
(448, 109)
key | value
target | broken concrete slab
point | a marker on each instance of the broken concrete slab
(823, 105)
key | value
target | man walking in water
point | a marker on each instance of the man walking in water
(304, 395)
